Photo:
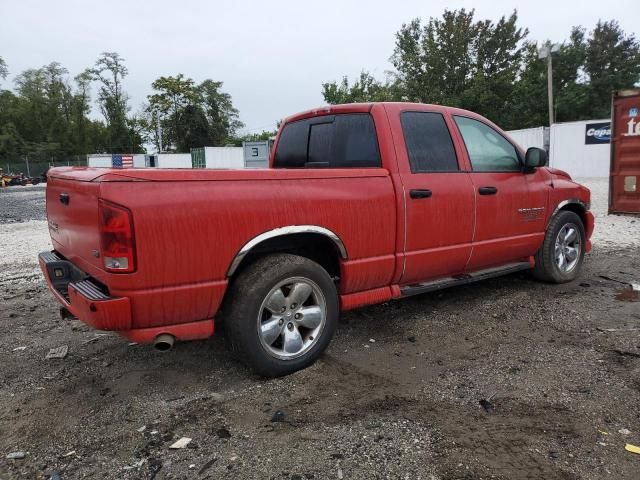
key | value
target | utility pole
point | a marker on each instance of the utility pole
(546, 51)
(159, 134)
(26, 160)
(550, 88)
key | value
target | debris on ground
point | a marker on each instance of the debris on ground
(58, 352)
(487, 405)
(16, 456)
(181, 443)
(19, 349)
(632, 448)
(624, 431)
(136, 465)
(278, 416)
(68, 454)
(207, 465)
(223, 433)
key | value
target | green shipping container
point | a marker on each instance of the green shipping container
(198, 158)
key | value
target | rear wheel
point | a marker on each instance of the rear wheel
(282, 313)
(559, 260)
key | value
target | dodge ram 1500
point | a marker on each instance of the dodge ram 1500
(362, 204)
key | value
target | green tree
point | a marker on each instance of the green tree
(457, 61)
(612, 62)
(364, 89)
(173, 95)
(4, 70)
(110, 71)
(223, 117)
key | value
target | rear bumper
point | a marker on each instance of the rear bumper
(91, 303)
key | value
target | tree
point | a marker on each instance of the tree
(365, 89)
(457, 61)
(173, 95)
(4, 70)
(223, 117)
(109, 71)
(194, 128)
(612, 62)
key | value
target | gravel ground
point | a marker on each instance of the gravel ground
(558, 364)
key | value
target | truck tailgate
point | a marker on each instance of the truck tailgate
(72, 215)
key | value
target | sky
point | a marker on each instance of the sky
(272, 56)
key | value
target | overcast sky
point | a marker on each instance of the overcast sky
(272, 56)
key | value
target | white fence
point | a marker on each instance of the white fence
(568, 149)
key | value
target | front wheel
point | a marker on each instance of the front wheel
(281, 315)
(559, 260)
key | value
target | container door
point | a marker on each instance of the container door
(624, 187)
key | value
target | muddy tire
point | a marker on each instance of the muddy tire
(281, 314)
(560, 258)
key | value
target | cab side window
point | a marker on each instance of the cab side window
(429, 144)
(488, 150)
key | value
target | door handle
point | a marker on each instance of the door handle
(487, 190)
(420, 193)
(64, 198)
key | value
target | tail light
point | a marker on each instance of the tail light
(117, 242)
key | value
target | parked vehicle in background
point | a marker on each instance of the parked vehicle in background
(364, 203)
(624, 186)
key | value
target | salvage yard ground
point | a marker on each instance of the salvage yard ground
(505, 379)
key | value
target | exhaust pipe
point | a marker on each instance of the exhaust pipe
(164, 342)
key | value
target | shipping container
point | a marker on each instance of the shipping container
(171, 160)
(624, 179)
(100, 160)
(581, 148)
(217, 157)
(256, 154)
(531, 137)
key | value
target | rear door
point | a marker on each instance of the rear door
(510, 205)
(438, 197)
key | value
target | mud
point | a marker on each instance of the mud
(404, 406)
(504, 379)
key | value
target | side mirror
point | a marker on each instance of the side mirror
(534, 158)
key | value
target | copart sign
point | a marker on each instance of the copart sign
(597, 133)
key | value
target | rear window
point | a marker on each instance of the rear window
(333, 141)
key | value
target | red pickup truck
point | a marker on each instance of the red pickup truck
(363, 203)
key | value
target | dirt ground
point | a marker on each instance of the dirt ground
(505, 379)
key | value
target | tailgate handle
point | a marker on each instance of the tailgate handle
(64, 198)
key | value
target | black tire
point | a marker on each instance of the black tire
(250, 290)
(546, 268)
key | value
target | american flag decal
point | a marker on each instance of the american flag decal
(122, 161)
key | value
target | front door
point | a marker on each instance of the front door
(439, 199)
(510, 205)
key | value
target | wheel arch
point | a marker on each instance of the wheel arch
(317, 243)
(574, 205)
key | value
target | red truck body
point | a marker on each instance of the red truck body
(193, 230)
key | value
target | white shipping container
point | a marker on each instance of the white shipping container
(224, 157)
(173, 160)
(139, 160)
(99, 161)
(528, 137)
(570, 153)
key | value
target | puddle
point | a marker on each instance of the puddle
(631, 293)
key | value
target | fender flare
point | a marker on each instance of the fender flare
(283, 231)
(564, 203)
